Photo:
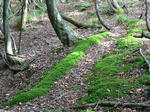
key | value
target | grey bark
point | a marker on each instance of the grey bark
(65, 33)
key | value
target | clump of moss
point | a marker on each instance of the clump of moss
(105, 81)
(59, 70)
(130, 41)
(134, 22)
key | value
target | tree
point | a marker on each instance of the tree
(65, 33)
(8, 41)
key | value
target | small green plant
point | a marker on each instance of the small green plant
(84, 6)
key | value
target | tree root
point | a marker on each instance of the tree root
(110, 104)
(20, 69)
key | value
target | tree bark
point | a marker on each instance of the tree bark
(65, 33)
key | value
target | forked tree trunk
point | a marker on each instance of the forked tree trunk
(65, 33)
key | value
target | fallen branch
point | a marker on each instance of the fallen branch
(145, 59)
(110, 104)
(77, 23)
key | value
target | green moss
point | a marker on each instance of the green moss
(130, 41)
(59, 70)
(134, 22)
(105, 81)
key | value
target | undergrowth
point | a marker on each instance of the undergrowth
(58, 71)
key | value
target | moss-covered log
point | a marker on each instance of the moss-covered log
(77, 23)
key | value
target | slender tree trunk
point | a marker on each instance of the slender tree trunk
(25, 12)
(99, 16)
(147, 14)
(8, 41)
(65, 33)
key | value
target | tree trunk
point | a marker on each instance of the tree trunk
(65, 34)
(25, 11)
(8, 41)
(99, 16)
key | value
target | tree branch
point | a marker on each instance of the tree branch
(145, 59)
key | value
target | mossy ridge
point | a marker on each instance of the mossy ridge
(104, 81)
(59, 70)
(129, 41)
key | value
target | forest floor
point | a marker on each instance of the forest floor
(39, 39)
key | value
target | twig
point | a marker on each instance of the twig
(61, 96)
(96, 105)
(145, 59)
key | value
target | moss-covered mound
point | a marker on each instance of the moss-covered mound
(59, 70)
(130, 41)
(114, 76)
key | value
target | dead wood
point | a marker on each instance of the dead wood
(110, 104)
